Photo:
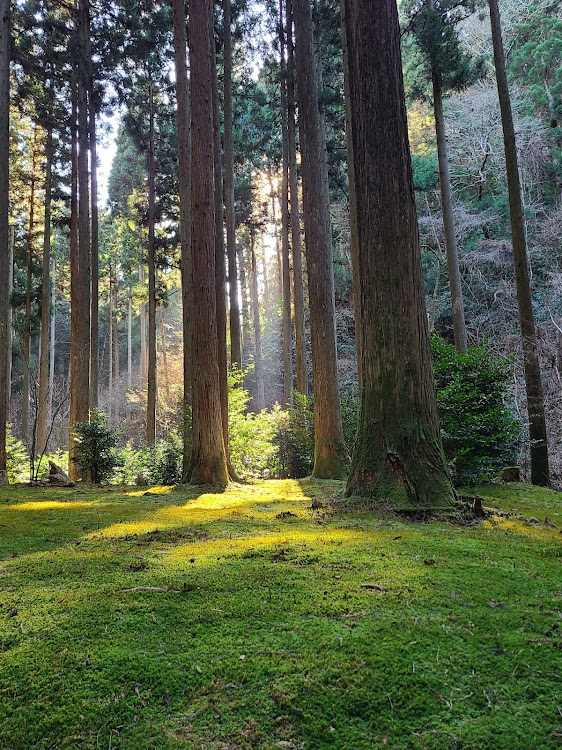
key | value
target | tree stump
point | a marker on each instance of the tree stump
(4, 478)
(511, 474)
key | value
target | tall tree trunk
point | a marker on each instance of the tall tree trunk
(298, 285)
(110, 348)
(208, 457)
(184, 167)
(164, 351)
(115, 353)
(245, 297)
(330, 454)
(260, 390)
(142, 323)
(80, 266)
(52, 317)
(27, 320)
(4, 228)
(398, 457)
(220, 259)
(354, 236)
(94, 303)
(285, 260)
(235, 336)
(459, 325)
(151, 398)
(130, 339)
(44, 349)
(535, 402)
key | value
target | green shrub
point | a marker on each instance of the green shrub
(97, 453)
(480, 434)
(17, 458)
(251, 436)
(160, 463)
(294, 439)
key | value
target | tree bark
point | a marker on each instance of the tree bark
(164, 352)
(52, 317)
(459, 325)
(80, 266)
(258, 361)
(130, 340)
(330, 454)
(94, 303)
(285, 260)
(208, 457)
(4, 224)
(531, 365)
(298, 284)
(220, 258)
(245, 297)
(398, 458)
(27, 320)
(44, 348)
(184, 168)
(235, 334)
(116, 373)
(110, 348)
(151, 397)
(142, 323)
(354, 239)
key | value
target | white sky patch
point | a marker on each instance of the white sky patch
(107, 147)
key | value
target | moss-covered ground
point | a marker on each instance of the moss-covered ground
(164, 618)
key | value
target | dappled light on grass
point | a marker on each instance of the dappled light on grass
(246, 619)
(48, 505)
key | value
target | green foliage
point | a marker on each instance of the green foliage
(295, 438)
(480, 435)
(17, 458)
(251, 436)
(426, 171)
(160, 463)
(97, 453)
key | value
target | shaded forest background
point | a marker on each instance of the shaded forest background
(132, 52)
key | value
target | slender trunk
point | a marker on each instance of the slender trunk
(164, 352)
(142, 322)
(110, 349)
(184, 165)
(246, 338)
(235, 337)
(208, 457)
(80, 268)
(285, 260)
(298, 285)
(44, 349)
(94, 308)
(130, 340)
(52, 317)
(115, 354)
(459, 325)
(535, 402)
(5, 346)
(398, 457)
(151, 398)
(330, 454)
(354, 235)
(27, 320)
(220, 259)
(260, 390)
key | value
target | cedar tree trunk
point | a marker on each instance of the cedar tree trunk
(398, 457)
(330, 454)
(208, 456)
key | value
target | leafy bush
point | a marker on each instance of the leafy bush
(17, 458)
(480, 434)
(160, 463)
(97, 453)
(251, 436)
(294, 439)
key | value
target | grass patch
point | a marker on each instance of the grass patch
(169, 618)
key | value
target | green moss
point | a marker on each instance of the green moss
(257, 632)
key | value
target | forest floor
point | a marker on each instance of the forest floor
(164, 618)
